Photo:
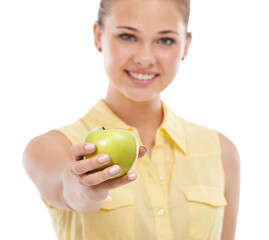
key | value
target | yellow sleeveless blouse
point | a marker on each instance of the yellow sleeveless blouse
(178, 193)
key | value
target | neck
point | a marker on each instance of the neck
(141, 115)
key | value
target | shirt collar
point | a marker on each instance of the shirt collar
(173, 126)
(101, 115)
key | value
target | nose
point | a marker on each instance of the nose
(144, 56)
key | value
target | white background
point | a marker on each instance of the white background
(51, 74)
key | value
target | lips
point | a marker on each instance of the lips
(141, 78)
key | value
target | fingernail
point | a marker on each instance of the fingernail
(115, 170)
(144, 148)
(132, 176)
(89, 147)
(103, 159)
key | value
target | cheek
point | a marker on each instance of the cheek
(170, 61)
(114, 56)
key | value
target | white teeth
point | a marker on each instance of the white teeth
(141, 76)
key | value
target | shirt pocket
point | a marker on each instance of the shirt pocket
(206, 208)
(116, 216)
(118, 199)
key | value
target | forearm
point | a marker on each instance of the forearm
(49, 168)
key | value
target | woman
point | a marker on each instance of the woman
(188, 175)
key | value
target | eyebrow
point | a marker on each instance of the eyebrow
(135, 30)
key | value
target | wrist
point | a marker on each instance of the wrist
(76, 197)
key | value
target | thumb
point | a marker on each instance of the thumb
(142, 151)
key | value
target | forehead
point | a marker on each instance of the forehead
(153, 14)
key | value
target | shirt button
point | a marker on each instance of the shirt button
(161, 178)
(109, 199)
(161, 212)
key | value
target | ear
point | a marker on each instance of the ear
(188, 43)
(97, 36)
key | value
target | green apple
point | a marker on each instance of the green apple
(120, 144)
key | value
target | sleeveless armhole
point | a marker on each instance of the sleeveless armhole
(75, 132)
(220, 154)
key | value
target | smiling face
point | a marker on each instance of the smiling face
(143, 43)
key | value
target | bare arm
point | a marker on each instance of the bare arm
(61, 175)
(231, 165)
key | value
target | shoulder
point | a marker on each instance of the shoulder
(75, 132)
(229, 153)
(198, 130)
(231, 164)
(47, 141)
(200, 138)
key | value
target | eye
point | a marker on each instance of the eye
(166, 41)
(127, 37)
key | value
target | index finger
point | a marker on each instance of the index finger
(79, 150)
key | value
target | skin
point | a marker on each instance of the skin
(61, 177)
(149, 26)
(231, 165)
(138, 36)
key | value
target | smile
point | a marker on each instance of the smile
(141, 76)
(141, 79)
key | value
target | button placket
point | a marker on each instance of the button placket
(161, 212)
(155, 175)
(160, 165)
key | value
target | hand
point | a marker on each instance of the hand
(96, 186)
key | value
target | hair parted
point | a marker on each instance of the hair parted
(184, 6)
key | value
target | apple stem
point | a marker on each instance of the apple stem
(103, 128)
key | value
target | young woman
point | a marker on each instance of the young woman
(188, 175)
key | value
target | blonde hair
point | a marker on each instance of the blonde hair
(184, 7)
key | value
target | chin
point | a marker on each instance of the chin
(141, 96)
